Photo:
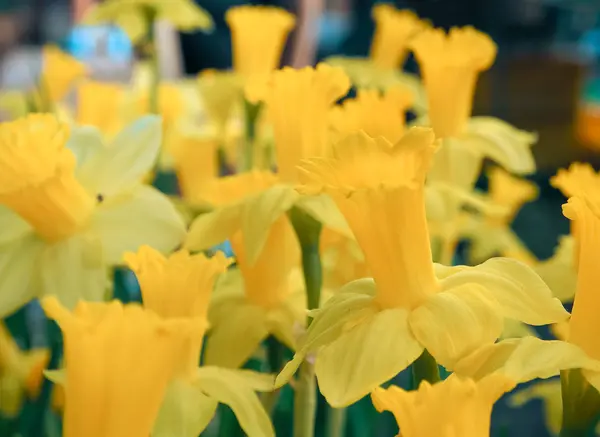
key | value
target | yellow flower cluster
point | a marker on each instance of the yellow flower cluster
(351, 218)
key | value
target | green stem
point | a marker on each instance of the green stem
(152, 53)
(425, 368)
(336, 422)
(251, 112)
(308, 231)
(581, 404)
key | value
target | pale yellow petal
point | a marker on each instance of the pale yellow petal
(74, 270)
(214, 227)
(365, 356)
(229, 388)
(515, 329)
(503, 143)
(559, 271)
(323, 209)
(454, 323)
(185, 15)
(18, 263)
(185, 411)
(236, 335)
(524, 359)
(550, 394)
(337, 315)
(260, 213)
(520, 292)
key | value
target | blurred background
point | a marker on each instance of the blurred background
(546, 79)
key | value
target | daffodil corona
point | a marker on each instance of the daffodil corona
(178, 287)
(306, 96)
(455, 407)
(72, 205)
(258, 36)
(410, 305)
(119, 360)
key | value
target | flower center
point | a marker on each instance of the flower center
(37, 178)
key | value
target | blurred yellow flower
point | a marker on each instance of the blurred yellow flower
(195, 162)
(453, 407)
(378, 114)
(262, 296)
(342, 259)
(576, 180)
(220, 91)
(60, 71)
(560, 271)
(450, 65)
(119, 360)
(491, 234)
(100, 104)
(70, 207)
(550, 393)
(133, 16)
(171, 105)
(258, 36)
(305, 96)
(178, 287)
(20, 373)
(393, 29)
(377, 327)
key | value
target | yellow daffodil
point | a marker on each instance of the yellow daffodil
(100, 104)
(374, 328)
(258, 36)
(60, 71)
(134, 16)
(20, 373)
(376, 113)
(450, 64)
(454, 407)
(530, 358)
(171, 105)
(389, 47)
(576, 180)
(195, 162)
(119, 360)
(72, 205)
(262, 296)
(492, 235)
(393, 30)
(220, 92)
(179, 288)
(342, 259)
(306, 96)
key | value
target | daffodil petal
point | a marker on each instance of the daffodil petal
(515, 329)
(185, 411)
(18, 265)
(229, 388)
(85, 142)
(503, 143)
(141, 216)
(58, 376)
(454, 323)
(283, 322)
(12, 226)
(366, 356)
(214, 227)
(185, 15)
(520, 292)
(260, 213)
(525, 359)
(234, 338)
(74, 270)
(126, 161)
(329, 322)
(133, 23)
(323, 209)
(559, 272)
